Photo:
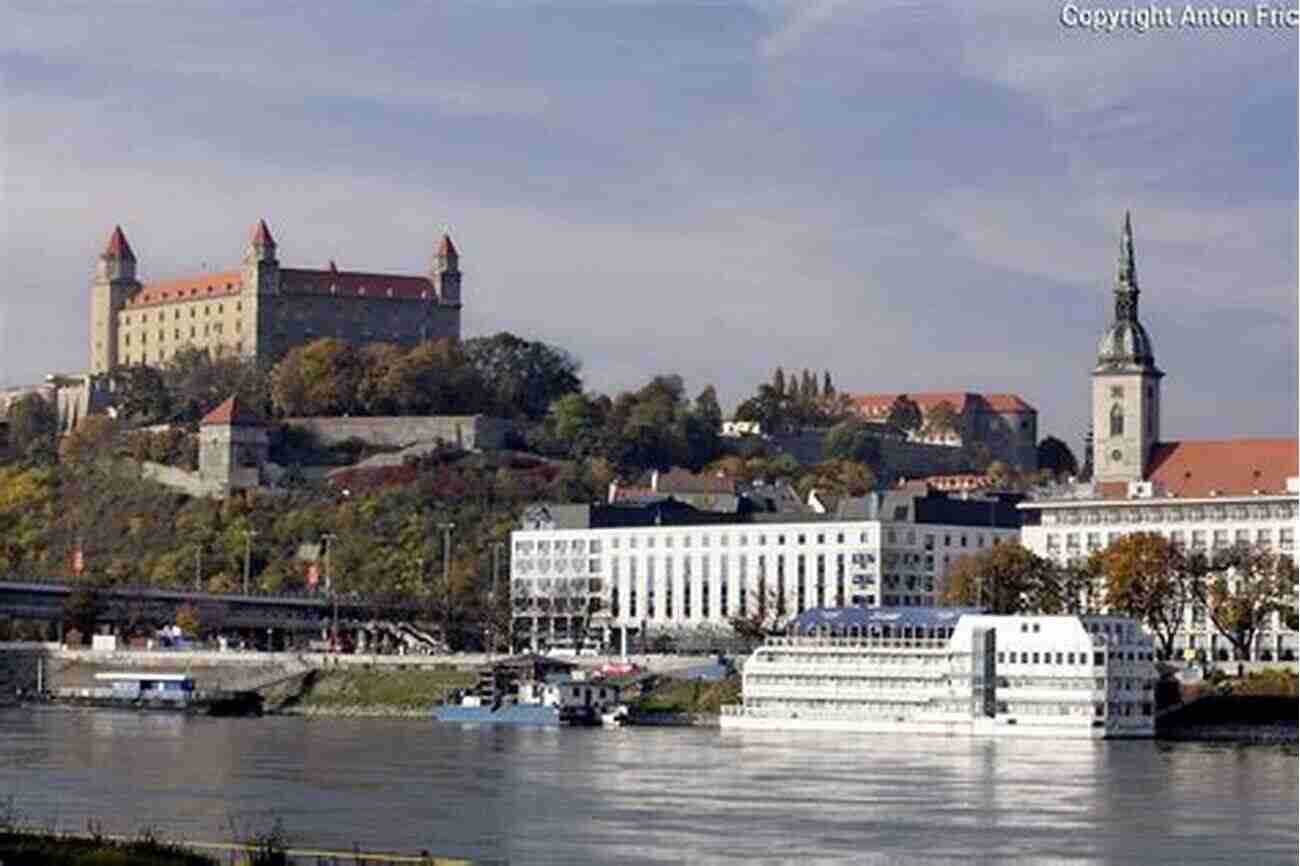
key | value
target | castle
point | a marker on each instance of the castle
(262, 310)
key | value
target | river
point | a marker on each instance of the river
(652, 795)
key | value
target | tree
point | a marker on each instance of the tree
(93, 440)
(943, 419)
(198, 382)
(905, 414)
(1147, 578)
(1005, 578)
(320, 378)
(1056, 456)
(854, 440)
(141, 393)
(525, 377)
(1241, 588)
(82, 609)
(33, 429)
(828, 389)
(765, 615)
(778, 382)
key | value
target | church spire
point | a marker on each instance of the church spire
(1126, 285)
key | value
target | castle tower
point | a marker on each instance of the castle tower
(233, 446)
(446, 272)
(114, 283)
(261, 277)
(1125, 383)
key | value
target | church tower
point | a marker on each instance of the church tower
(446, 272)
(114, 284)
(1125, 383)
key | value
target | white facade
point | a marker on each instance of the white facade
(1053, 676)
(1069, 530)
(665, 577)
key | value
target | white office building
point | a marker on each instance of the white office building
(664, 566)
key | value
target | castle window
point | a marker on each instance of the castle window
(176, 315)
(1116, 420)
(128, 340)
(1117, 392)
(177, 335)
(218, 308)
(239, 305)
(191, 330)
(192, 312)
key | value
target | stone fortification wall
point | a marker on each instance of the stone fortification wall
(898, 457)
(178, 479)
(471, 432)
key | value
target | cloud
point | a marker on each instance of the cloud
(910, 194)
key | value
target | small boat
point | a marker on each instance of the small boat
(529, 690)
(615, 716)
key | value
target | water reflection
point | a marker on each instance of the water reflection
(640, 796)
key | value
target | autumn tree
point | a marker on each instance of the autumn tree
(197, 382)
(942, 419)
(140, 394)
(1055, 456)
(1147, 578)
(905, 414)
(525, 377)
(33, 429)
(82, 609)
(1241, 588)
(854, 440)
(1005, 578)
(765, 615)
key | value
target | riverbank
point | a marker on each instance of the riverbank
(349, 692)
(48, 849)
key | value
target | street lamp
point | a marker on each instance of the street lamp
(249, 535)
(326, 538)
(446, 576)
(198, 568)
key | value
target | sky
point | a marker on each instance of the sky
(914, 195)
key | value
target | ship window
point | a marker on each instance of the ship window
(1035, 658)
(1002, 657)
(1060, 658)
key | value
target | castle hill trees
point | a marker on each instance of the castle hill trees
(1006, 578)
(1240, 589)
(1149, 579)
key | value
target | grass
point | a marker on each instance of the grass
(409, 689)
(672, 695)
(48, 849)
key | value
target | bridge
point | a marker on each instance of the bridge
(43, 600)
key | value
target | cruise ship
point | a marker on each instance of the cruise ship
(952, 671)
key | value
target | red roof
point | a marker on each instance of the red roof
(446, 247)
(262, 234)
(1229, 467)
(233, 412)
(117, 247)
(878, 404)
(195, 288)
(301, 281)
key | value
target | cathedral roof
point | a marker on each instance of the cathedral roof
(1226, 467)
(117, 247)
(1125, 344)
(234, 412)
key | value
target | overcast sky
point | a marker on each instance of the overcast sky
(918, 197)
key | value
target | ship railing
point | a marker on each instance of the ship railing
(860, 642)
